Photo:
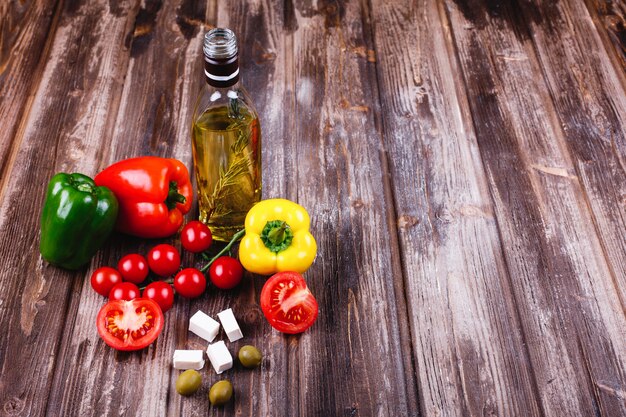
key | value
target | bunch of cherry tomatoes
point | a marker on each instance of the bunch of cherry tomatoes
(163, 260)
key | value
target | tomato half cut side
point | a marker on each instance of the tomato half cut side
(130, 325)
(288, 304)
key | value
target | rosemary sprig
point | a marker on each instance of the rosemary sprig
(243, 140)
(233, 108)
(238, 165)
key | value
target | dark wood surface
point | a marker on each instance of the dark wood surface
(463, 162)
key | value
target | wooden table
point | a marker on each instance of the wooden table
(463, 163)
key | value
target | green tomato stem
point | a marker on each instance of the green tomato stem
(235, 238)
(167, 281)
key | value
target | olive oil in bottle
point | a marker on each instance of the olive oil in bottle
(226, 141)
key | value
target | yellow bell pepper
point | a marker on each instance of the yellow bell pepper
(277, 238)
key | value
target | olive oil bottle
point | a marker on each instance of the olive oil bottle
(226, 140)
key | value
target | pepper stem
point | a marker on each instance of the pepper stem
(85, 187)
(235, 238)
(174, 197)
(277, 235)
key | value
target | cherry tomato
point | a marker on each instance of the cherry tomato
(190, 283)
(130, 325)
(287, 303)
(164, 260)
(124, 291)
(196, 237)
(226, 272)
(133, 268)
(161, 293)
(104, 279)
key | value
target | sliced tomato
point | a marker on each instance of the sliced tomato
(288, 304)
(130, 325)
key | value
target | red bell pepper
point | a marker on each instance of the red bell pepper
(153, 193)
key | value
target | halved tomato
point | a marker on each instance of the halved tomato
(130, 325)
(287, 303)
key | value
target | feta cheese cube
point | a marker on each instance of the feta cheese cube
(229, 323)
(204, 326)
(189, 359)
(220, 357)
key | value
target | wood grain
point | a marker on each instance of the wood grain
(263, 54)
(462, 161)
(465, 330)
(26, 28)
(66, 123)
(590, 105)
(161, 80)
(356, 286)
(318, 157)
(610, 19)
(560, 277)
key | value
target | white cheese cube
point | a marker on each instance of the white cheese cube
(229, 323)
(204, 326)
(189, 359)
(220, 357)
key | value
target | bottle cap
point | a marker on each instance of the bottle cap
(221, 58)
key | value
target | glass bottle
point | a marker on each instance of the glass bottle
(226, 140)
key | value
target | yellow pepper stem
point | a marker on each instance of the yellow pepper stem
(277, 235)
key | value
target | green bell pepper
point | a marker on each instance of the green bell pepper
(77, 218)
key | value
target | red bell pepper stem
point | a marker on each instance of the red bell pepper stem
(235, 238)
(174, 197)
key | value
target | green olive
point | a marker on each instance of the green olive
(221, 392)
(249, 356)
(188, 382)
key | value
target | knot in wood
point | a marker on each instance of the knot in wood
(357, 204)
(406, 222)
(445, 216)
(14, 406)
(352, 411)
(253, 316)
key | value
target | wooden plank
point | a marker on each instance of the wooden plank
(296, 379)
(570, 310)
(262, 56)
(316, 99)
(335, 101)
(467, 341)
(160, 86)
(591, 106)
(26, 30)
(67, 124)
(609, 17)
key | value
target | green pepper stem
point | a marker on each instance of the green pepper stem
(277, 235)
(235, 238)
(85, 187)
(174, 197)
